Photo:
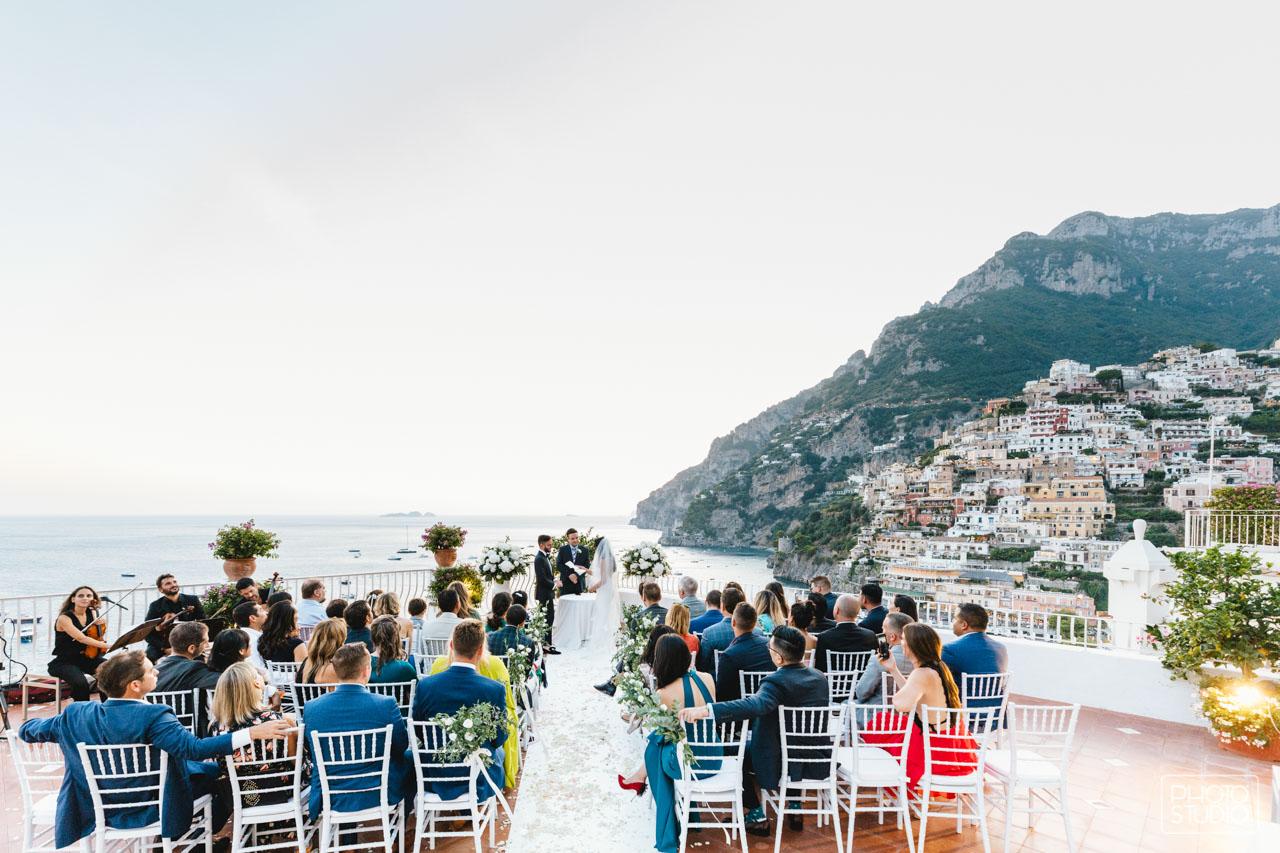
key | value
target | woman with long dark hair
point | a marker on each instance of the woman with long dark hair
(905, 604)
(73, 639)
(498, 613)
(801, 619)
(389, 662)
(280, 642)
(230, 647)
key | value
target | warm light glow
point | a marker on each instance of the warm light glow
(1249, 695)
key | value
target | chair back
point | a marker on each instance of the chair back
(433, 647)
(855, 662)
(304, 693)
(422, 663)
(710, 739)
(1046, 730)
(283, 674)
(185, 705)
(123, 778)
(350, 764)
(809, 736)
(39, 767)
(749, 681)
(715, 663)
(266, 772)
(305, 632)
(406, 643)
(955, 745)
(807, 660)
(841, 683)
(888, 687)
(890, 731)
(401, 691)
(988, 690)
(428, 741)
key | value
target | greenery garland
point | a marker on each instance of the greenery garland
(468, 730)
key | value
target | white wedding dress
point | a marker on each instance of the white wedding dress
(607, 614)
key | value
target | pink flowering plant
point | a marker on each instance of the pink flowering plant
(442, 537)
(219, 600)
(244, 542)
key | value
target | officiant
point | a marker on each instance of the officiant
(572, 563)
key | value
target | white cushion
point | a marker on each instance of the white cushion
(44, 811)
(875, 765)
(725, 780)
(1032, 767)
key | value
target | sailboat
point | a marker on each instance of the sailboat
(406, 549)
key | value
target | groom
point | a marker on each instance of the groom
(573, 563)
(544, 590)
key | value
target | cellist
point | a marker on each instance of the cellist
(79, 643)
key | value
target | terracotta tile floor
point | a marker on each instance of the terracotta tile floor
(1117, 785)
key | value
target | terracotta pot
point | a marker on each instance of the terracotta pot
(1270, 753)
(236, 569)
(446, 557)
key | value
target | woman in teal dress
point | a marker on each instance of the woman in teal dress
(389, 664)
(678, 687)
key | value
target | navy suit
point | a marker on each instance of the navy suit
(446, 692)
(120, 721)
(568, 564)
(748, 653)
(793, 685)
(352, 708)
(844, 637)
(706, 620)
(873, 620)
(976, 654)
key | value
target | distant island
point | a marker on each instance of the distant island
(414, 514)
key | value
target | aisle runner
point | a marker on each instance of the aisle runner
(569, 796)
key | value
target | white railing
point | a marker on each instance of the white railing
(1071, 629)
(1208, 527)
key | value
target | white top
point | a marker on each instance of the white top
(440, 628)
(254, 657)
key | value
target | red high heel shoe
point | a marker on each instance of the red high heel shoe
(638, 787)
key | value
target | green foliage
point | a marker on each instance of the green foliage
(218, 601)
(1265, 421)
(464, 572)
(1259, 530)
(243, 542)
(1092, 584)
(1013, 555)
(826, 535)
(1241, 711)
(1018, 454)
(469, 730)
(442, 537)
(1207, 346)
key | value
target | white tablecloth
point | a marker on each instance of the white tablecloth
(573, 621)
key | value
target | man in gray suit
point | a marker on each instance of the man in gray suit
(689, 597)
(868, 689)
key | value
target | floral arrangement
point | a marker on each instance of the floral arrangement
(633, 637)
(1241, 711)
(520, 666)
(502, 562)
(244, 542)
(536, 626)
(464, 572)
(646, 560)
(469, 730)
(641, 701)
(442, 537)
(218, 601)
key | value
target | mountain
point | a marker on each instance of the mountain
(1096, 288)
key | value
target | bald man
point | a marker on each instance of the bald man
(845, 636)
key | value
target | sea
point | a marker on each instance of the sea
(53, 554)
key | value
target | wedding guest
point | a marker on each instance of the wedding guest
(497, 612)
(678, 687)
(689, 597)
(712, 614)
(71, 661)
(511, 635)
(388, 604)
(357, 618)
(279, 642)
(350, 707)
(749, 652)
(719, 636)
(417, 613)
(389, 662)
(780, 594)
(821, 584)
(326, 639)
(126, 717)
(545, 582)
(492, 667)
(821, 619)
(441, 627)
(336, 609)
(466, 609)
(171, 600)
(184, 668)
(973, 652)
(522, 598)
(458, 683)
(868, 690)
(793, 685)
(237, 704)
(229, 647)
(873, 612)
(769, 612)
(249, 617)
(277, 597)
(678, 619)
(250, 591)
(845, 636)
(311, 608)
(905, 604)
(651, 647)
(801, 619)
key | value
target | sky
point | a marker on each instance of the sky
(321, 257)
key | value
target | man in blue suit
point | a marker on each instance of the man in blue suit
(126, 718)
(712, 614)
(794, 685)
(460, 686)
(350, 707)
(973, 652)
(873, 609)
(720, 635)
(749, 652)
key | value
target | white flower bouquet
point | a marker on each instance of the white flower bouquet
(645, 560)
(502, 562)
(469, 731)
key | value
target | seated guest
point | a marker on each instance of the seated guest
(719, 636)
(868, 690)
(711, 615)
(769, 612)
(873, 612)
(466, 609)
(311, 608)
(417, 613)
(905, 604)
(461, 686)
(249, 617)
(780, 594)
(326, 639)
(250, 591)
(678, 619)
(972, 652)
(845, 636)
(651, 597)
(184, 668)
(678, 688)
(336, 609)
(801, 619)
(126, 717)
(821, 584)
(389, 662)
(237, 704)
(511, 635)
(497, 612)
(278, 596)
(821, 613)
(441, 627)
(280, 642)
(522, 598)
(749, 652)
(793, 684)
(350, 707)
(230, 646)
(689, 597)
(388, 604)
(357, 618)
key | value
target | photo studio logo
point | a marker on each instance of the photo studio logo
(1220, 804)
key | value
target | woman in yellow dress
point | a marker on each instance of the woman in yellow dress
(493, 667)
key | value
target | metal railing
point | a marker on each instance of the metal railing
(1095, 632)
(1208, 527)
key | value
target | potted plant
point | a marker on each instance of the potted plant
(443, 541)
(218, 601)
(239, 545)
(1225, 615)
(645, 560)
(502, 562)
(466, 573)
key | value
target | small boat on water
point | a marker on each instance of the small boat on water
(395, 558)
(406, 549)
(353, 550)
(128, 575)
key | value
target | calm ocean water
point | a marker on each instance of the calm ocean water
(52, 554)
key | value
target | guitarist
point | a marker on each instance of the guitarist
(187, 607)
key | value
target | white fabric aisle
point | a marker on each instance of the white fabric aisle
(569, 795)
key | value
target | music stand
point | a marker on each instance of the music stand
(135, 634)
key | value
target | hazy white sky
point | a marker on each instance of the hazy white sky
(533, 257)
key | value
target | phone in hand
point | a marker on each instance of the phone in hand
(884, 650)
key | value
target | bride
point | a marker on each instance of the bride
(607, 614)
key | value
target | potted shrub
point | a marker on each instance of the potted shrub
(218, 602)
(239, 545)
(466, 573)
(1225, 615)
(443, 541)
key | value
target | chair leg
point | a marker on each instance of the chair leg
(740, 820)
(1008, 815)
(925, 797)
(905, 815)
(1066, 814)
(835, 821)
(981, 809)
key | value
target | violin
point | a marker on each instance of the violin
(169, 618)
(97, 629)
